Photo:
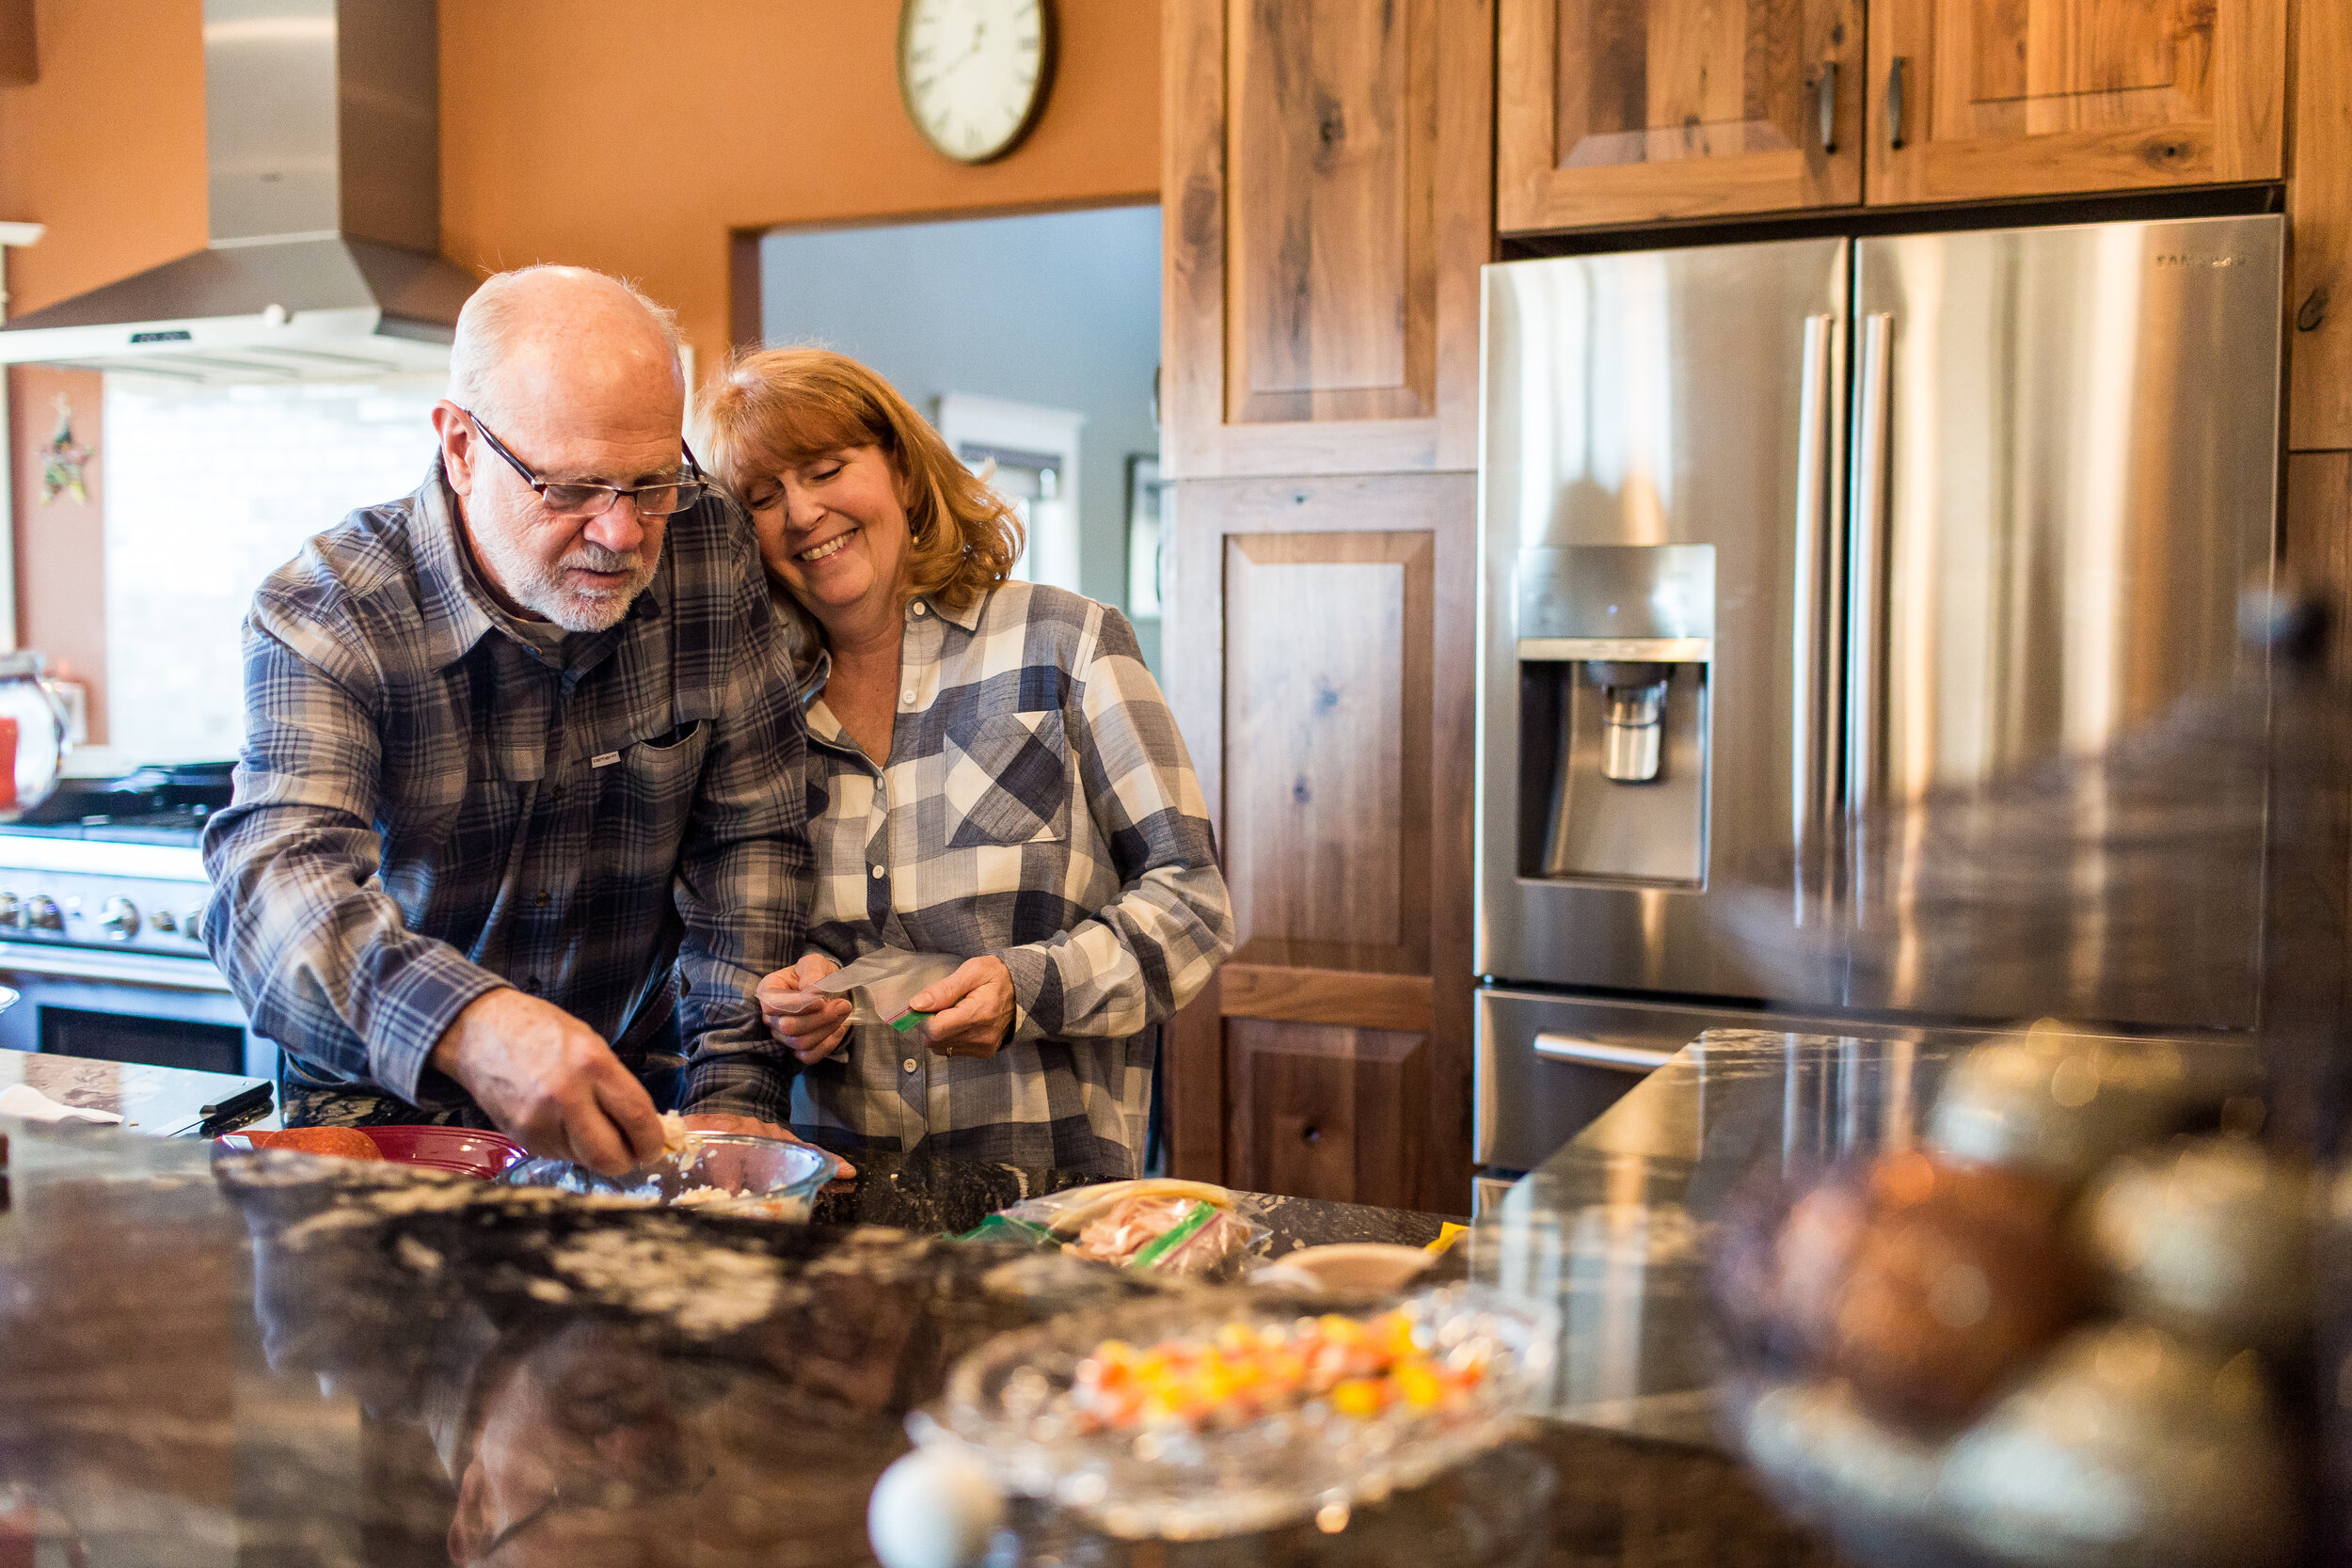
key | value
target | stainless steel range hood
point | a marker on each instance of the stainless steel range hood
(322, 133)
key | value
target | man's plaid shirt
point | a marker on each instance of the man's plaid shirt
(1038, 805)
(428, 808)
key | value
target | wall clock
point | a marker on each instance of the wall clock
(975, 72)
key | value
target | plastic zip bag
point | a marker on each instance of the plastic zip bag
(1159, 1226)
(881, 984)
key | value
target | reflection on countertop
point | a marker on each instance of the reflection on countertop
(1612, 1229)
(213, 1358)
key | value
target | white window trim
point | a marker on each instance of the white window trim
(964, 418)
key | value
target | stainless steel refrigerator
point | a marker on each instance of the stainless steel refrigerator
(1777, 538)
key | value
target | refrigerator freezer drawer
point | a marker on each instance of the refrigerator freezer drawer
(1546, 1067)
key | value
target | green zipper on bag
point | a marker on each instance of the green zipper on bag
(1175, 1236)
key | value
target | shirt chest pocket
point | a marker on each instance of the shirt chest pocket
(1007, 780)
(657, 773)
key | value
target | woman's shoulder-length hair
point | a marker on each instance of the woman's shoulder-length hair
(771, 408)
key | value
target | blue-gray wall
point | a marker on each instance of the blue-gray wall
(1056, 308)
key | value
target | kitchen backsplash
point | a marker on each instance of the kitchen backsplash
(207, 491)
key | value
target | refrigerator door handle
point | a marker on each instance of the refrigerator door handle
(1866, 648)
(1811, 631)
(1625, 1058)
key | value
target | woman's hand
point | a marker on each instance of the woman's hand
(812, 1026)
(716, 1121)
(971, 1009)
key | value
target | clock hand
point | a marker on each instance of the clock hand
(980, 30)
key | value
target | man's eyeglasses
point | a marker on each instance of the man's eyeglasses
(566, 498)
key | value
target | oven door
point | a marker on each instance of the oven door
(128, 1008)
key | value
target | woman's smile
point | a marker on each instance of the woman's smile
(831, 546)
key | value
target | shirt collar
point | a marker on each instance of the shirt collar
(968, 617)
(455, 616)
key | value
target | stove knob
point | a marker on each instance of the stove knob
(192, 924)
(162, 924)
(42, 915)
(120, 920)
(11, 912)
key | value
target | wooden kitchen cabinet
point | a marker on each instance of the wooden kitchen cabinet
(1319, 653)
(1629, 111)
(1978, 99)
(1326, 182)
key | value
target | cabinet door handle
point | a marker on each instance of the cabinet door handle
(1625, 1058)
(1895, 101)
(1825, 94)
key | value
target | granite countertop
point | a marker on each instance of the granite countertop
(215, 1358)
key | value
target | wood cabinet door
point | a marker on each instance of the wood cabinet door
(1327, 185)
(1627, 111)
(1319, 649)
(1974, 99)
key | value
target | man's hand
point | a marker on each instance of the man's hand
(714, 1121)
(971, 1009)
(812, 1026)
(549, 1081)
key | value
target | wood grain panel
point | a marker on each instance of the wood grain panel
(1327, 178)
(1326, 738)
(1627, 111)
(1327, 1113)
(1192, 1086)
(1327, 997)
(2319, 204)
(2006, 98)
(1340, 519)
(1332, 247)
(2315, 538)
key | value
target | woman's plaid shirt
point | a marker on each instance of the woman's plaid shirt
(428, 807)
(1038, 805)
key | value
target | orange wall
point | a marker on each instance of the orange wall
(107, 147)
(627, 136)
(61, 544)
(665, 127)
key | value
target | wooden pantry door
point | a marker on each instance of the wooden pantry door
(1319, 650)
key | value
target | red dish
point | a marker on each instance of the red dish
(460, 1149)
(456, 1149)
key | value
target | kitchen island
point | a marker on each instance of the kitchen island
(269, 1358)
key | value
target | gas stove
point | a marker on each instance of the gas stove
(101, 909)
(113, 863)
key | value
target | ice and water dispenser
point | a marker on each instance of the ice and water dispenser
(1616, 643)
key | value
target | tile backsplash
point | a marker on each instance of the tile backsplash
(207, 491)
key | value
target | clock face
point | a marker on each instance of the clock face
(974, 73)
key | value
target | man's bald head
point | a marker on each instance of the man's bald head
(577, 375)
(551, 336)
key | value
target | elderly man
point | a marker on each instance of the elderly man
(520, 794)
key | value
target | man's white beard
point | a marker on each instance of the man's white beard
(544, 589)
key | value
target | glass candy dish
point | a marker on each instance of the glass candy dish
(1020, 1408)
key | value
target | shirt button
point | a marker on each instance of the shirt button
(541, 900)
(532, 985)
(916, 608)
(908, 695)
(877, 872)
(908, 1064)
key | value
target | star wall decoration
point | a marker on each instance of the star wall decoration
(62, 460)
